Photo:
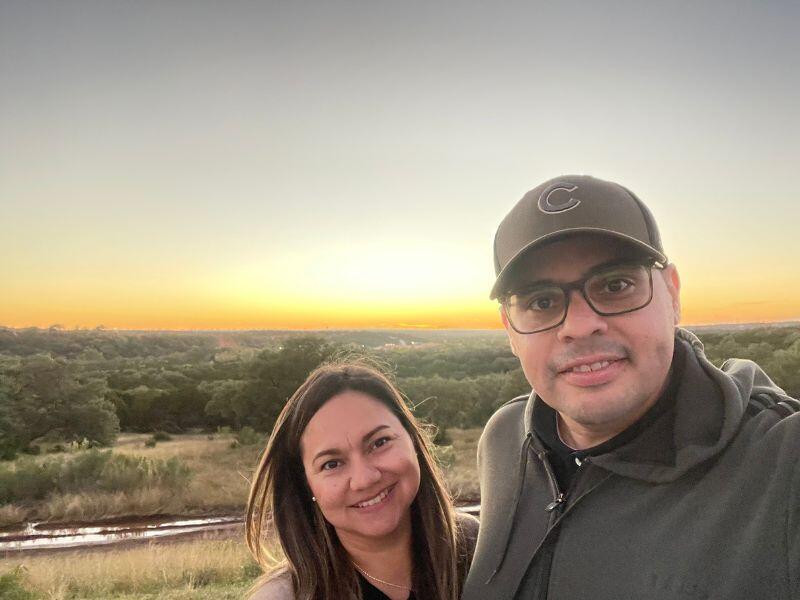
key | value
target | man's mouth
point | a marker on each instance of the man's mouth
(595, 366)
(375, 499)
(589, 364)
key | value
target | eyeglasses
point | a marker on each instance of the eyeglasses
(609, 290)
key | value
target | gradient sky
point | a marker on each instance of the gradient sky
(226, 165)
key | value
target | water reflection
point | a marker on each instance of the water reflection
(41, 536)
(44, 536)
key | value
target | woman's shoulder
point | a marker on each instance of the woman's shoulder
(467, 525)
(277, 587)
(468, 534)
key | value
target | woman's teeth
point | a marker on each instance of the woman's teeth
(374, 500)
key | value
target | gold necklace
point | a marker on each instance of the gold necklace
(394, 585)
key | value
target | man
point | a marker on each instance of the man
(635, 469)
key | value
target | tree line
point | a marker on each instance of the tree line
(86, 386)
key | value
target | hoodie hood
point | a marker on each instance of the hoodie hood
(710, 404)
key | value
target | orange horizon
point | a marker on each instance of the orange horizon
(713, 303)
(698, 318)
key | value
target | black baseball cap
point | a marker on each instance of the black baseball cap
(568, 205)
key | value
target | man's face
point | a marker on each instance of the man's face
(630, 354)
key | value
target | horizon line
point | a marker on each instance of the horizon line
(499, 328)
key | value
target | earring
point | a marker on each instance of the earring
(313, 498)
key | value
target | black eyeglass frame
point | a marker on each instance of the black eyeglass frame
(580, 285)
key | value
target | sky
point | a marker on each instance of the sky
(312, 165)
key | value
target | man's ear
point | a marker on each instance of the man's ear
(509, 331)
(673, 282)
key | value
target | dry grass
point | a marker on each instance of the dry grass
(11, 513)
(462, 475)
(196, 569)
(220, 474)
(219, 483)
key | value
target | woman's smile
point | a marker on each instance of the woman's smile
(377, 501)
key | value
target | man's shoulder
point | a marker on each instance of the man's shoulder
(277, 587)
(507, 421)
(508, 412)
(504, 432)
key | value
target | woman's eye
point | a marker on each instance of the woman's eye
(380, 442)
(330, 465)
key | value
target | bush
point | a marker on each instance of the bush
(445, 456)
(11, 586)
(7, 452)
(26, 480)
(442, 438)
(162, 436)
(251, 570)
(89, 471)
(151, 443)
(33, 450)
(247, 436)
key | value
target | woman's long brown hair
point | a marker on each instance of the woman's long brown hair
(280, 508)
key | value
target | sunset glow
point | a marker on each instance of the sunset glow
(270, 167)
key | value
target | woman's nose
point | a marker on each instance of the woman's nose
(364, 474)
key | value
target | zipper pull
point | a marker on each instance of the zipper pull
(561, 499)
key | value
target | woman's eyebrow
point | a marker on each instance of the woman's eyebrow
(337, 451)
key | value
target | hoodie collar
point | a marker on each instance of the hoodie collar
(708, 408)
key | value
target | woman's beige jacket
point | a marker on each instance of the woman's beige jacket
(280, 586)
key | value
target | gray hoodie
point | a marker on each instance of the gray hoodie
(703, 504)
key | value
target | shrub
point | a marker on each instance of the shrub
(11, 586)
(33, 449)
(445, 456)
(26, 480)
(441, 438)
(7, 452)
(89, 471)
(162, 436)
(151, 443)
(247, 436)
(251, 570)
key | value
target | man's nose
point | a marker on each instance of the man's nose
(581, 320)
(364, 474)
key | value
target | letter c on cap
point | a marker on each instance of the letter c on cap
(558, 198)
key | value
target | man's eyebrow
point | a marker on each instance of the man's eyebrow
(337, 451)
(614, 262)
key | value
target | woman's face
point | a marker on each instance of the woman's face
(361, 466)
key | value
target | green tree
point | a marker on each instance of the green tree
(272, 378)
(47, 398)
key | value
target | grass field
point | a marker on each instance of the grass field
(219, 481)
(218, 484)
(200, 569)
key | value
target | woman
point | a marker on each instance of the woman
(349, 487)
